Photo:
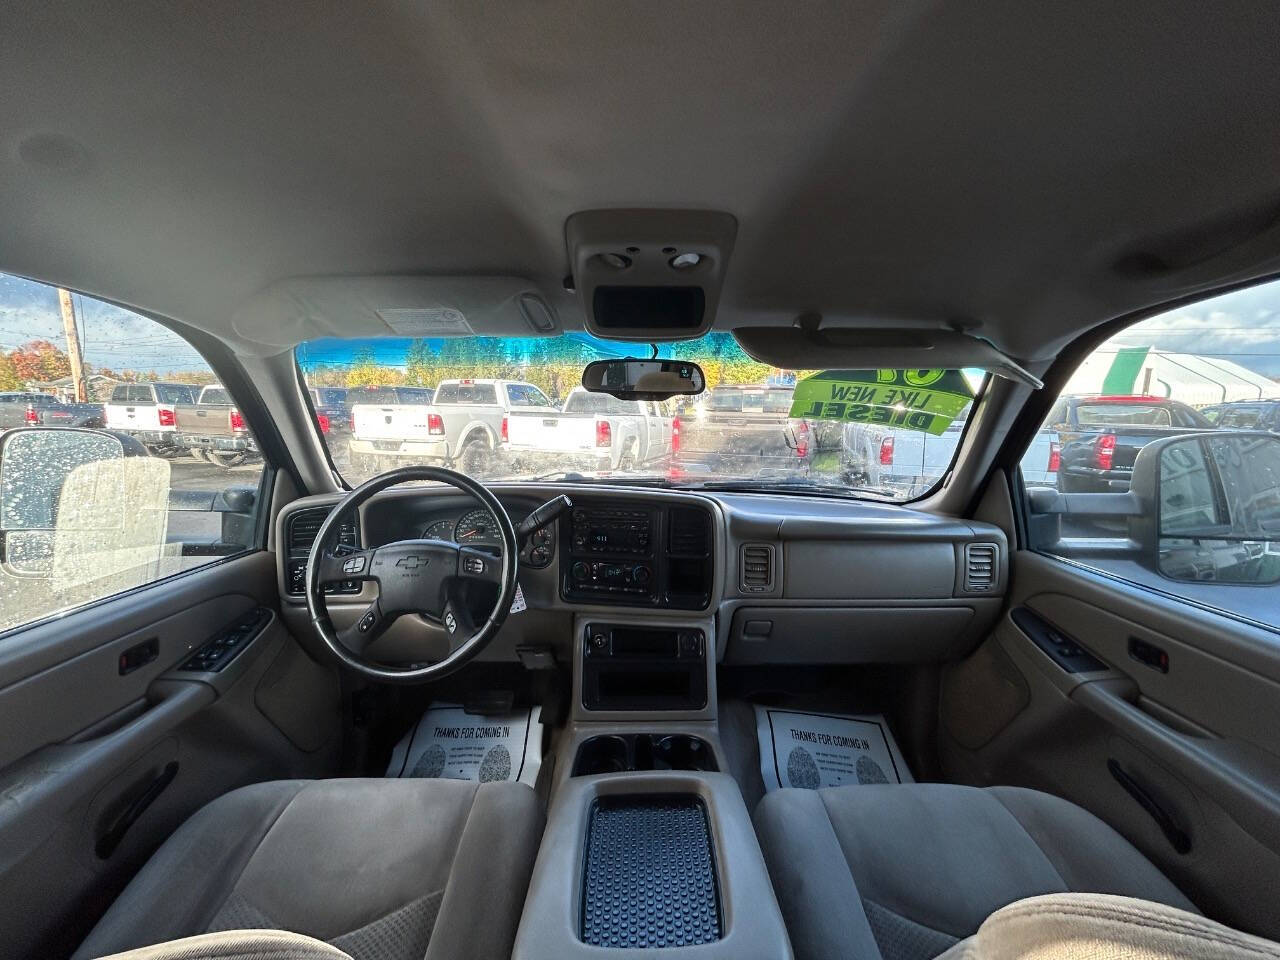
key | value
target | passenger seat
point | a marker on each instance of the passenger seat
(905, 871)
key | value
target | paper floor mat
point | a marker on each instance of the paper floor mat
(812, 750)
(451, 744)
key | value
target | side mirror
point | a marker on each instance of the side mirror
(644, 379)
(1216, 500)
(71, 504)
(34, 463)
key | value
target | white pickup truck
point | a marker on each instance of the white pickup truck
(909, 462)
(465, 425)
(148, 412)
(595, 432)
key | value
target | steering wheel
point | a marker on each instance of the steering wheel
(413, 576)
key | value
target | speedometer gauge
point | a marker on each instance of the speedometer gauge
(440, 530)
(476, 526)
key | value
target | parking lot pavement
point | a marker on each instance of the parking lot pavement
(191, 474)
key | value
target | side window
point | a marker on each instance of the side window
(113, 482)
(1152, 494)
(1185, 418)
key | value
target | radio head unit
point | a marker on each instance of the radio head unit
(611, 554)
(637, 554)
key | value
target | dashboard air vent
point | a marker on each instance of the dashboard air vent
(689, 534)
(304, 525)
(980, 567)
(757, 568)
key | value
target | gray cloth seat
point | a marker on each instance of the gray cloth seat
(905, 871)
(386, 869)
(1092, 926)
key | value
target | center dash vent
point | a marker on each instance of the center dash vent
(757, 568)
(304, 525)
(689, 533)
(980, 567)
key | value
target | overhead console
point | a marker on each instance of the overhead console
(649, 275)
(637, 553)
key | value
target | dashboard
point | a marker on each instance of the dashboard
(780, 579)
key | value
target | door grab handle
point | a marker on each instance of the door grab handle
(108, 842)
(1176, 836)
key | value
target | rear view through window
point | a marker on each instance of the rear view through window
(1167, 439)
(125, 467)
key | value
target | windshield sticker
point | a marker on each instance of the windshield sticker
(927, 401)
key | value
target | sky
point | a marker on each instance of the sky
(1243, 326)
(110, 336)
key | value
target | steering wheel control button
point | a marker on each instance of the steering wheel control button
(367, 622)
(473, 566)
(353, 565)
(450, 621)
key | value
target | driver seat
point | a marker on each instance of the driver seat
(393, 869)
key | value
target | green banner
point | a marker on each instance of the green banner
(924, 400)
(1122, 375)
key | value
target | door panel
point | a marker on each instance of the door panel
(98, 768)
(1158, 748)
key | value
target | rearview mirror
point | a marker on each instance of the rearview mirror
(1218, 508)
(631, 379)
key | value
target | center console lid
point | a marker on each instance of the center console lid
(656, 833)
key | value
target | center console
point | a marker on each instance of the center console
(648, 845)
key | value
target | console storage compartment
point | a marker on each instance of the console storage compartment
(649, 879)
(627, 666)
(660, 866)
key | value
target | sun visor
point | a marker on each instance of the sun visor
(306, 308)
(851, 348)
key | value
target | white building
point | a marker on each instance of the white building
(1195, 380)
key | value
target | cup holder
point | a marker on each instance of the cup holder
(620, 753)
(603, 755)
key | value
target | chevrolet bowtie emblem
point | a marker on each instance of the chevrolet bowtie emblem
(412, 562)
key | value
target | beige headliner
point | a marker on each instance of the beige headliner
(910, 162)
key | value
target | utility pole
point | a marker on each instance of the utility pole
(78, 384)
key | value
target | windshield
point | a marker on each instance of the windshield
(513, 408)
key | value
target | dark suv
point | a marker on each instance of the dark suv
(1100, 436)
(1245, 415)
